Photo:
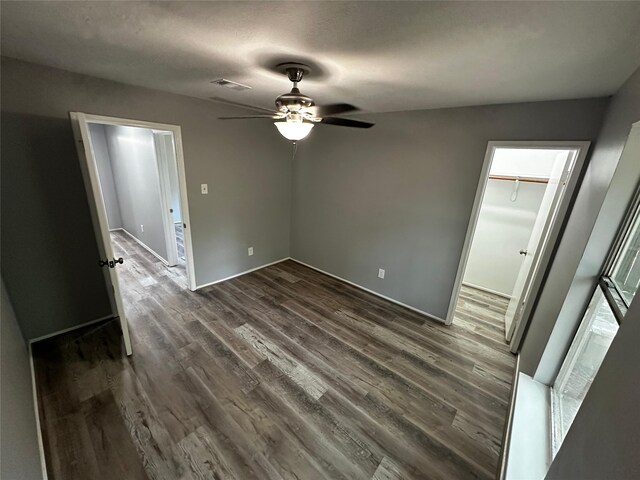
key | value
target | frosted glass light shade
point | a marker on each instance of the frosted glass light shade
(294, 130)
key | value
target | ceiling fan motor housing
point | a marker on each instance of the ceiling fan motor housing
(293, 101)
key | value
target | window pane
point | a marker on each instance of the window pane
(589, 347)
(626, 270)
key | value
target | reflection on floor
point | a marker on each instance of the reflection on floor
(280, 373)
(136, 261)
(483, 312)
(180, 242)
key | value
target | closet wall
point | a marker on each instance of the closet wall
(503, 229)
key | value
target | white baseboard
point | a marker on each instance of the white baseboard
(241, 273)
(488, 290)
(36, 408)
(70, 329)
(143, 245)
(392, 300)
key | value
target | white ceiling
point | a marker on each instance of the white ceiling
(381, 56)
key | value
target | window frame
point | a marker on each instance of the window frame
(606, 282)
(612, 295)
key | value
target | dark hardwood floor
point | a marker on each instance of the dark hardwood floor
(283, 373)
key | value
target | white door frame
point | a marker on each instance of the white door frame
(182, 182)
(582, 149)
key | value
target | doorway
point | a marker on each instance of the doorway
(134, 177)
(521, 200)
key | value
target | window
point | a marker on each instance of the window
(599, 326)
(626, 273)
(597, 330)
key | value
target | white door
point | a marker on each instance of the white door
(538, 240)
(163, 143)
(99, 219)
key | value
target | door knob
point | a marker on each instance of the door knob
(114, 262)
(111, 263)
(524, 252)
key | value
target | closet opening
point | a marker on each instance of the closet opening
(521, 201)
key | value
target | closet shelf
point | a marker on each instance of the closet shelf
(522, 179)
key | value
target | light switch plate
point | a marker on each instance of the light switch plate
(381, 273)
(204, 189)
(250, 251)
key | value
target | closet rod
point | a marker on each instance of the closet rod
(522, 179)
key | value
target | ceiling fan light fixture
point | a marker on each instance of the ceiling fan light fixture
(293, 131)
(296, 113)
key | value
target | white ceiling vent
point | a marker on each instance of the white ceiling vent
(223, 82)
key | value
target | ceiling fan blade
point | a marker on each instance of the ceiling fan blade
(333, 109)
(345, 122)
(272, 117)
(240, 105)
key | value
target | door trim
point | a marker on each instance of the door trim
(582, 148)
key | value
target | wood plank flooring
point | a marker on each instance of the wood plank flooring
(283, 373)
(482, 311)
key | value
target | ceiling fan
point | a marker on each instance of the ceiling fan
(296, 114)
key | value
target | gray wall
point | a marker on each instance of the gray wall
(135, 171)
(18, 431)
(105, 172)
(604, 439)
(399, 196)
(48, 249)
(49, 254)
(583, 249)
(504, 228)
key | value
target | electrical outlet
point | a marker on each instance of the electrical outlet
(250, 251)
(204, 189)
(142, 228)
(380, 273)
